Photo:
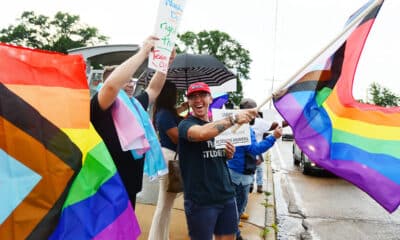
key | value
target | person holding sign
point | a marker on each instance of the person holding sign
(209, 196)
(243, 164)
(129, 87)
(101, 107)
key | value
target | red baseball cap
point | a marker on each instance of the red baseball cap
(198, 87)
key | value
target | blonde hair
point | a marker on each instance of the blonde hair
(108, 70)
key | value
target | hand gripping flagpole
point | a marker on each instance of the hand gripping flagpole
(343, 35)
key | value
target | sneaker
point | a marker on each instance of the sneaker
(240, 224)
(251, 189)
(259, 189)
(244, 216)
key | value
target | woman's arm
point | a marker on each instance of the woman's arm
(172, 133)
(122, 74)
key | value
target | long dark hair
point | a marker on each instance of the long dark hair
(166, 100)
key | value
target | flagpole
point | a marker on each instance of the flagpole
(351, 25)
(331, 43)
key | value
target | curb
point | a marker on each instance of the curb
(270, 210)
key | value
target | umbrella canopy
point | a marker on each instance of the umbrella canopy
(190, 68)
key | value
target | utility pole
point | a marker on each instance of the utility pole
(274, 49)
(271, 90)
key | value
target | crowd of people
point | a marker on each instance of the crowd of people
(216, 181)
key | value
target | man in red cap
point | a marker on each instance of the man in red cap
(210, 204)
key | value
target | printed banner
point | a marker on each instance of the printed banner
(240, 138)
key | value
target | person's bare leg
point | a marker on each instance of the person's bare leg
(225, 237)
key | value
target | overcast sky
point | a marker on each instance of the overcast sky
(279, 44)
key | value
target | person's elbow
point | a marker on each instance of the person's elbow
(151, 96)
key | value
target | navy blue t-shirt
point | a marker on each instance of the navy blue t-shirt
(204, 171)
(166, 120)
(130, 169)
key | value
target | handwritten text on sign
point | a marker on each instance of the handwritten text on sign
(168, 19)
(240, 138)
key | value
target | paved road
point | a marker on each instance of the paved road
(326, 208)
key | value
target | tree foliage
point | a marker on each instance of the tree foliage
(59, 34)
(382, 96)
(224, 48)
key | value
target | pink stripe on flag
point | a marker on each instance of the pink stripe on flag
(125, 225)
(130, 133)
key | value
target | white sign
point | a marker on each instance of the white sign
(166, 29)
(240, 138)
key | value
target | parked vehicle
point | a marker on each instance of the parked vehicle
(287, 134)
(306, 166)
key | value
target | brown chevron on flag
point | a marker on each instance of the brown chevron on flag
(49, 153)
(38, 160)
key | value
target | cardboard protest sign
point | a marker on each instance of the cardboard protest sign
(166, 29)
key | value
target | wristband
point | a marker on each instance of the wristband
(233, 119)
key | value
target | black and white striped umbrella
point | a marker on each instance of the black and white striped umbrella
(190, 68)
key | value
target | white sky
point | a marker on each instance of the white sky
(278, 48)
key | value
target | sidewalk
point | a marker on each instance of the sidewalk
(252, 229)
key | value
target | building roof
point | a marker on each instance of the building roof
(106, 54)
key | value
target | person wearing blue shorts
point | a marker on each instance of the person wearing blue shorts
(209, 195)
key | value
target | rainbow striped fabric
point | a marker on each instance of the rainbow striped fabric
(52, 162)
(358, 142)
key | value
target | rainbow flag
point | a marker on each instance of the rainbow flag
(356, 141)
(52, 162)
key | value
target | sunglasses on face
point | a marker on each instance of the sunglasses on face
(200, 94)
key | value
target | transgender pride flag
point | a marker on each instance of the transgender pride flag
(356, 141)
(56, 176)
